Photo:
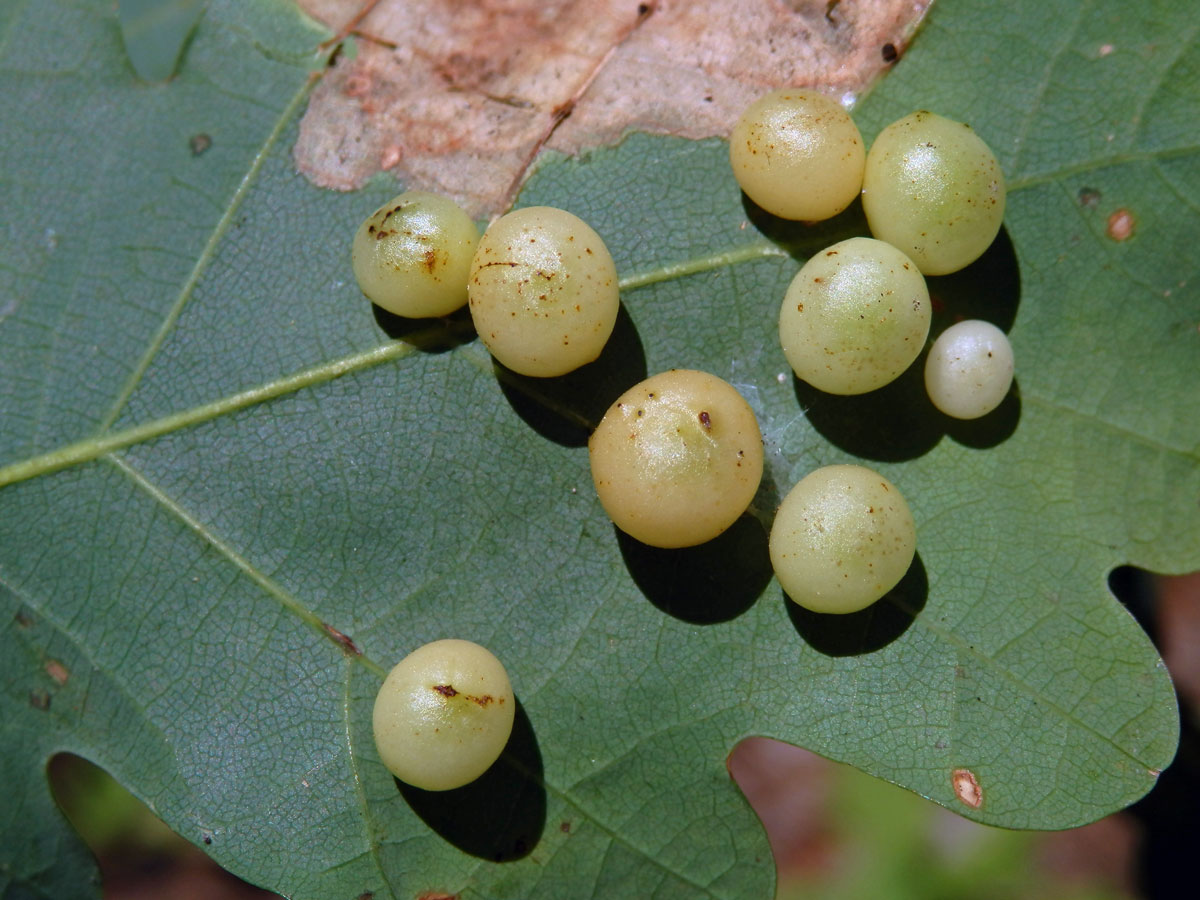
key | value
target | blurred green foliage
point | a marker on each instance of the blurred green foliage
(110, 820)
(889, 844)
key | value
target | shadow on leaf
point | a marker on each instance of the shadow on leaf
(898, 421)
(501, 815)
(428, 335)
(870, 629)
(766, 501)
(567, 409)
(713, 582)
(992, 429)
(802, 239)
(892, 424)
(988, 289)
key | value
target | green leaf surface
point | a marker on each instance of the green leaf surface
(216, 465)
(155, 33)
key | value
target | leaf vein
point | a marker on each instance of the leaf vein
(1133, 437)
(1093, 165)
(370, 831)
(1067, 42)
(989, 662)
(206, 255)
(1174, 188)
(95, 447)
(1184, 45)
(286, 599)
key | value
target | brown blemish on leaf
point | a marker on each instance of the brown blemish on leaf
(966, 787)
(342, 640)
(23, 619)
(436, 895)
(198, 143)
(356, 86)
(57, 671)
(39, 700)
(461, 98)
(1121, 225)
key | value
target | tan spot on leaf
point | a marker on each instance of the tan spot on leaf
(966, 787)
(1121, 225)
(57, 671)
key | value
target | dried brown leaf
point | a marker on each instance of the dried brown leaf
(461, 96)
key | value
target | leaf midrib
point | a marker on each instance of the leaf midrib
(107, 441)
